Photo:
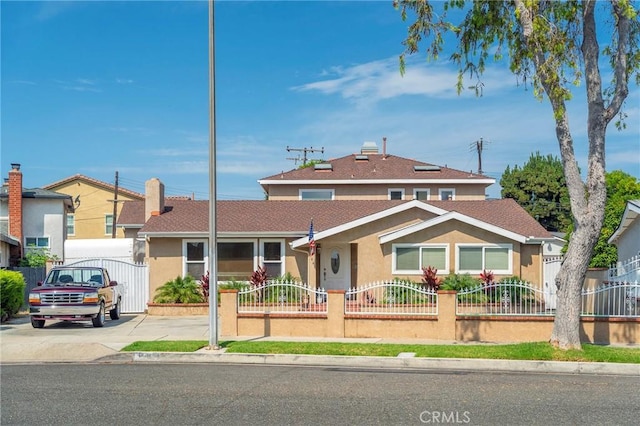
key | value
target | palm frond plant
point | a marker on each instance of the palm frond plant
(179, 290)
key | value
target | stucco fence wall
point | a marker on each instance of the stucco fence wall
(446, 326)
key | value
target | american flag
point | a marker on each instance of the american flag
(312, 241)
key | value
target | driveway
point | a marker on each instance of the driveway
(80, 341)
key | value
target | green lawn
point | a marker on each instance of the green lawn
(521, 351)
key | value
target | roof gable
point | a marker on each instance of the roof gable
(631, 213)
(94, 182)
(394, 235)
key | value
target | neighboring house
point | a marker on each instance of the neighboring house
(627, 236)
(93, 201)
(374, 176)
(31, 219)
(369, 237)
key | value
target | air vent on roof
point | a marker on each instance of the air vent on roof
(362, 157)
(429, 168)
(323, 166)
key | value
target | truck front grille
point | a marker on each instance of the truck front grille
(58, 298)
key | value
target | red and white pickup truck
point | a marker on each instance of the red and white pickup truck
(75, 293)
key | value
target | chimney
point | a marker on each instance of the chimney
(15, 202)
(153, 198)
(384, 147)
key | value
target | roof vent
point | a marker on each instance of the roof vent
(369, 148)
(323, 166)
(362, 157)
(426, 168)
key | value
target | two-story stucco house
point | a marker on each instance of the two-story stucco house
(94, 200)
(31, 219)
(375, 217)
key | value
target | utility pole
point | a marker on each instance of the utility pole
(115, 208)
(304, 153)
(479, 146)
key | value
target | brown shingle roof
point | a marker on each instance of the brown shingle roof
(377, 166)
(293, 217)
(95, 182)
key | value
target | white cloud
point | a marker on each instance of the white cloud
(379, 80)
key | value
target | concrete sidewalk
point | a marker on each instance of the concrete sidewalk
(81, 342)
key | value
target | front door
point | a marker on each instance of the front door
(335, 273)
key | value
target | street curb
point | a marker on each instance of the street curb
(458, 364)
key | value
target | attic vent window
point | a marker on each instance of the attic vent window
(323, 166)
(428, 168)
(362, 158)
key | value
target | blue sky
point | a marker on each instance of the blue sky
(99, 87)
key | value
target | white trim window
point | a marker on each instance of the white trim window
(36, 242)
(108, 224)
(447, 193)
(396, 193)
(272, 257)
(237, 259)
(71, 224)
(421, 194)
(316, 194)
(474, 258)
(195, 258)
(411, 258)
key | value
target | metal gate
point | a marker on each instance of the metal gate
(550, 272)
(132, 278)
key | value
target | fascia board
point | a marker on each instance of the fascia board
(385, 238)
(367, 219)
(631, 212)
(377, 181)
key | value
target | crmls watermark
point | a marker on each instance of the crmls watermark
(443, 417)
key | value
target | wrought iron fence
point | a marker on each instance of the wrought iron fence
(282, 297)
(616, 299)
(505, 298)
(391, 298)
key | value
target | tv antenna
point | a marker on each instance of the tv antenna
(304, 151)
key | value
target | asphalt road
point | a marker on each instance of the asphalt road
(223, 394)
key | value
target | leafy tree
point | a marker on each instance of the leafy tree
(540, 189)
(621, 187)
(180, 290)
(554, 44)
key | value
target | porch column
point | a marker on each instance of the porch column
(312, 262)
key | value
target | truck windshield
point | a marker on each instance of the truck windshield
(71, 276)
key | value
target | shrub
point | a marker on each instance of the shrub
(459, 282)
(12, 288)
(180, 290)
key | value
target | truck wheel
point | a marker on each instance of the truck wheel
(114, 314)
(98, 321)
(36, 323)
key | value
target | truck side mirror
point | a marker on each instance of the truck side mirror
(113, 283)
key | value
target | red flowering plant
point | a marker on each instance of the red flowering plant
(486, 277)
(487, 282)
(204, 285)
(259, 279)
(430, 278)
(259, 276)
